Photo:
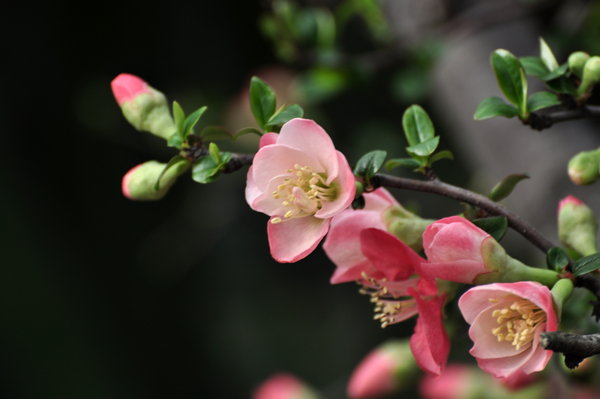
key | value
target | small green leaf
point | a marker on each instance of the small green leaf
(496, 226)
(470, 212)
(534, 66)
(511, 78)
(547, 56)
(179, 117)
(262, 101)
(172, 162)
(244, 131)
(440, 155)
(425, 148)
(562, 85)
(175, 140)
(191, 120)
(215, 133)
(542, 99)
(407, 162)
(369, 164)
(586, 265)
(285, 114)
(417, 125)
(506, 186)
(205, 170)
(556, 259)
(214, 152)
(558, 72)
(494, 106)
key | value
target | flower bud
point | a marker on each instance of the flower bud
(577, 226)
(405, 225)
(577, 61)
(584, 167)
(591, 75)
(284, 386)
(143, 106)
(138, 184)
(387, 369)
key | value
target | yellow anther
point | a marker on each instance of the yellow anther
(288, 214)
(276, 220)
(281, 187)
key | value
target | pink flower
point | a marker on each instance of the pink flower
(283, 386)
(455, 383)
(459, 251)
(301, 181)
(506, 322)
(126, 87)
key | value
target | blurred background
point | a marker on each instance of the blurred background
(103, 297)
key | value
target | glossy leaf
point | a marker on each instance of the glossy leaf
(214, 152)
(542, 99)
(511, 78)
(175, 140)
(562, 85)
(262, 101)
(407, 162)
(172, 162)
(445, 154)
(179, 118)
(285, 114)
(369, 164)
(245, 131)
(547, 56)
(556, 259)
(205, 170)
(586, 265)
(495, 226)
(534, 66)
(215, 133)
(425, 148)
(191, 120)
(417, 125)
(506, 186)
(494, 106)
(560, 71)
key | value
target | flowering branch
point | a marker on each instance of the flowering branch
(540, 121)
(575, 347)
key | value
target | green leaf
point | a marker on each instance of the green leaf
(440, 155)
(496, 226)
(214, 152)
(417, 125)
(562, 85)
(511, 78)
(215, 133)
(262, 101)
(179, 117)
(556, 73)
(556, 259)
(547, 56)
(285, 114)
(494, 106)
(425, 148)
(205, 170)
(542, 99)
(244, 131)
(369, 164)
(407, 162)
(172, 162)
(191, 120)
(470, 212)
(175, 140)
(506, 186)
(586, 265)
(534, 66)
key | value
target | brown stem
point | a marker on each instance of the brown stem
(541, 121)
(575, 347)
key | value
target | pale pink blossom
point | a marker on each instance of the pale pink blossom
(301, 181)
(506, 322)
(126, 87)
(283, 386)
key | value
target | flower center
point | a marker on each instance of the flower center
(518, 322)
(304, 194)
(391, 310)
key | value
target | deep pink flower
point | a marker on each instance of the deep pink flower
(126, 87)
(283, 386)
(506, 322)
(301, 181)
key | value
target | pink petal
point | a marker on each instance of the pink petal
(308, 137)
(294, 239)
(345, 191)
(126, 87)
(265, 202)
(354, 273)
(373, 377)
(252, 191)
(539, 356)
(460, 271)
(455, 242)
(477, 299)
(469, 230)
(503, 367)
(379, 200)
(268, 139)
(388, 254)
(275, 160)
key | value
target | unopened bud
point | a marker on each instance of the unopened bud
(577, 61)
(591, 75)
(405, 225)
(143, 106)
(389, 368)
(284, 386)
(577, 226)
(139, 183)
(584, 167)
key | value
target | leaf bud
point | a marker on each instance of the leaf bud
(138, 184)
(591, 75)
(143, 106)
(584, 167)
(577, 226)
(577, 61)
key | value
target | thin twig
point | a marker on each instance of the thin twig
(541, 121)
